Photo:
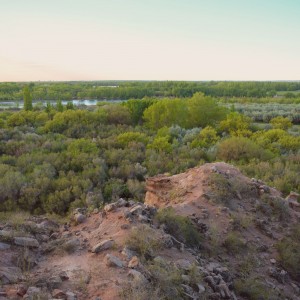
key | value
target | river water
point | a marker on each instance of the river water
(87, 102)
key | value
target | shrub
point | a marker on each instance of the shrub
(180, 227)
(166, 278)
(234, 243)
(241, 149)
(253, 289)
(281, 123)
(289, 253)
(144, 240)
(228, 191)
(275, 207)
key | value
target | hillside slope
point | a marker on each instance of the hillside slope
(208, 233)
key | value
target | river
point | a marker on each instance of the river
(87, 102)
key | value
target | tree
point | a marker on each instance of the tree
(59, 106)
(203, 111)
(235, 124)
(27, 98)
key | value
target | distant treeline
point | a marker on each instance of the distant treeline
(139, 89)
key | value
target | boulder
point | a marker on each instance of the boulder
(104, 245)
(26, 242)
(113, 261)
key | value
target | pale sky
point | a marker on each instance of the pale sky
(149, 40)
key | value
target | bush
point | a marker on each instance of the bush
(241, 149)
(275, 207)
(234, 243)
(289, 253)
(166, 278)
(144, 240)
(180, 227)
(253, 289)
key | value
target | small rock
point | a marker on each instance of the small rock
(273, 261)
(79, 218)
(32, 293)
(143, 219)
(59, 294)
(71, 245)
(113, 261)
(223, 289)
(66, 234)
(201, 288)
(128, 253)
(125, 226)
(63, 276)
(134, 262)
(121, 202)
(186, 278)
(26, 242)
(188, 290)
(136, 210)
(6, 236)
(71, 296)
(54, 236)
(183, 264)
(9, 275)
(137, 276)
(104, 245)
(4, 246)
(110, 207)
(21, 291)
(54, 282)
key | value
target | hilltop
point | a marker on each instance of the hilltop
(207, 233)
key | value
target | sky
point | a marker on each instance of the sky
(149, 40)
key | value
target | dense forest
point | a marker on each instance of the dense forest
(55, 158)
(139, 89)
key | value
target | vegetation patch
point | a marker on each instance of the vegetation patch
(234, 243)
(144, 240)
(289, 253)
(180, 227)
(254, 289)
